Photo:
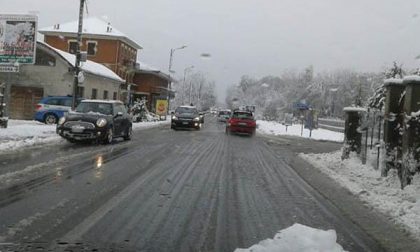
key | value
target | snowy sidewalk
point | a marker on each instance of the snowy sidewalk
(275, 128)
(21, 133)
(381, 193)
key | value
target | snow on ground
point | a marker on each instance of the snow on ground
(148, 125)
(298, 238)
(382, 193)
(275, 128)
(25, 133)
(21, 133)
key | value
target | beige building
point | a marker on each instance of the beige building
(52, 75)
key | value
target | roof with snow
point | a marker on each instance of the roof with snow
(393, 81)
(410, 78)
(146, 68)
(88, 66)
(92, 27)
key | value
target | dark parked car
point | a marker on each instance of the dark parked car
(241, 122)
(186, 117)
(98, 120)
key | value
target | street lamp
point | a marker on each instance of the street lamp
(170, 68)
(183, 83)
(333, 91)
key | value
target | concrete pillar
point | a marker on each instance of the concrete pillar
(411, 137)
(393, 123)
(352, 134)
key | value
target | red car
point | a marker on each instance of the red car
(241, 122)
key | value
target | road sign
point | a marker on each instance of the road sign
(301, 106)
(81, 77)
(161, 107)
(18, 38)
(9, 68)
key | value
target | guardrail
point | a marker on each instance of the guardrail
(331, 124)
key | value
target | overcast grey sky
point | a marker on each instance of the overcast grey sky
(254, 37)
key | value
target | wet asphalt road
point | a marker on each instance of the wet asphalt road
(171, 191)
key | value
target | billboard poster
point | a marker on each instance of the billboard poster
(161, 107)
(18, 38)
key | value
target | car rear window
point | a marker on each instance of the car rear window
(242, 115)
(224, 113)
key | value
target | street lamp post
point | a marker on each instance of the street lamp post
(78, 56)
(333, 91)
(183, 83)
(171, 55)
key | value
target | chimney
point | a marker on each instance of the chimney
(57, 27)
(108, 28)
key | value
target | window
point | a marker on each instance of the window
(44, 59)
(114, 96)
(72, 47)
(105, 94)
(94, 93)
(66, 102)
(80, 91)
(91, 48)
(53, 102)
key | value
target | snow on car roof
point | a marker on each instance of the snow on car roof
(102, 101)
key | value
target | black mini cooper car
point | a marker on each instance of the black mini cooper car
(96, 120)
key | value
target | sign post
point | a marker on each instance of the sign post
(162, 108)
(17, 46)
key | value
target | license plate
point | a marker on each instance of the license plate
(77, 128)
(185, 123)
(242, 124)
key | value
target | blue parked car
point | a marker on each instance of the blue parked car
(52, 108)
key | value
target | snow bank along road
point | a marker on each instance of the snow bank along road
(178, 191)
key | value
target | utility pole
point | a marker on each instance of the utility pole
(171, 55)
(183, 83)
(78, 56)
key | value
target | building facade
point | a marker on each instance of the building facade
(102, 43)
(52, 75)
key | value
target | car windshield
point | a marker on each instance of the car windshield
(224, 113)
(185, 110)
(95, 107)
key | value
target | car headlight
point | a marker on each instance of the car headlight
(197, 119)
(174, 118)
(62, 120)
(101, 122)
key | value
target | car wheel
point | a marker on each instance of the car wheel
(50, 119)
(128, 134)
(227, 131)
(109, 136)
